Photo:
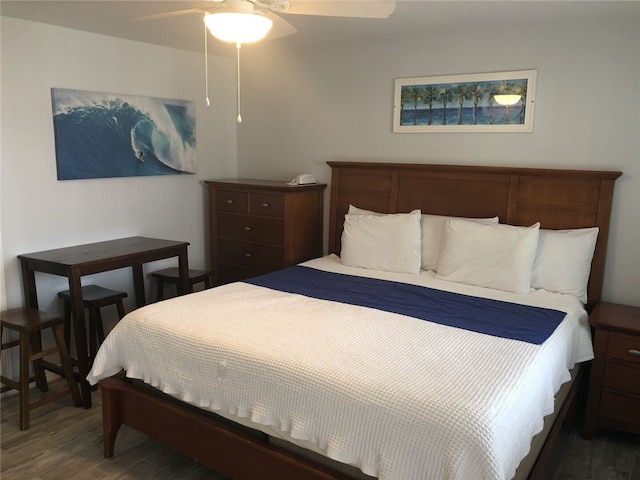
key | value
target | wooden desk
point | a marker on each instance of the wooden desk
(74, 262)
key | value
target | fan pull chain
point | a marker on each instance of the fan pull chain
(206, 66)
(238, 45)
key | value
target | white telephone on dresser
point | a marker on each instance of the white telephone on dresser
(303, 179)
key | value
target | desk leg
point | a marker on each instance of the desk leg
(184, 286)
(138, 285)
(31, 300)
(29, 285)
(80, 334)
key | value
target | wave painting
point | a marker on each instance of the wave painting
(101, 135)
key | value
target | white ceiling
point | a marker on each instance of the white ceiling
(412, 19)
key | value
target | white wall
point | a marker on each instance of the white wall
(303, 110)
(298, 112)
(39, 212)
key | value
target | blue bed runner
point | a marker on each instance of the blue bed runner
(492, 317)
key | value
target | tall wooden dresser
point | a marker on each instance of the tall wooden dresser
(258, 226)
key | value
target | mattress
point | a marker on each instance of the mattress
(397, 397)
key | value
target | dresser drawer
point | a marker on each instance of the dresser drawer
(622, 346)
(229, 201)
(250, 228)
(250, 255)
(234, 273)
(265, 204)
(622, 377)
(620, 408)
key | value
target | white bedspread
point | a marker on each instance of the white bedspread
(399, 398)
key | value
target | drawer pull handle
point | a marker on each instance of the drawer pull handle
(634, 352)
(266, 205)
(229, 202)
(247, 255)
(247, 229)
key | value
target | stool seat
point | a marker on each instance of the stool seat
(95, 294)
(29, 320)
(171, 275)
(94, 297)
(29, 323)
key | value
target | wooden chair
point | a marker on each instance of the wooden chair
(172, 276)
(94, 297)
(29, 323)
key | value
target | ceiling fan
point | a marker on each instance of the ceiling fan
(265, 14)
(247, 21)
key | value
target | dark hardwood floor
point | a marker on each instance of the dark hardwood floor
(611, 455)
(65, 443)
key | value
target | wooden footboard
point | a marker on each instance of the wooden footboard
(239, 453)
(242, 453)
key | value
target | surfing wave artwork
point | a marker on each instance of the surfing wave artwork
(104, 135)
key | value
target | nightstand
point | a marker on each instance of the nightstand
(614, 384)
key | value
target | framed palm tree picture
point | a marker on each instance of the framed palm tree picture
(484, 102)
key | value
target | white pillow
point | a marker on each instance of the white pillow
(432, 227)
(563, 261)
(388, 242)
(488, 255)
(432, 232)
(353, 210)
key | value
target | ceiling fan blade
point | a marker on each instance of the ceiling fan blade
(281, 28)
(337, 8)
(174, 13)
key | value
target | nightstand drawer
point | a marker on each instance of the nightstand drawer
(623, 347)
(227, 201)
(250, 255)
(622, 377)
(265, 204)
(619, 408)
(249, 228)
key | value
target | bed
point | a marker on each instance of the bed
(300, 378)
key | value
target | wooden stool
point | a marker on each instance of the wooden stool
(29, 323)
(94, 297)
(172, 275)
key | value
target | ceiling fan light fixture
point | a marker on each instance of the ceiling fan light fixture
(238, 27)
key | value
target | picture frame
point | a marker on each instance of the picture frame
(465, 103)
(106, 135)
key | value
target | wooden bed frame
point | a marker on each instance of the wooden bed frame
(558, 199)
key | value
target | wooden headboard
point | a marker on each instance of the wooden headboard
(558, 199)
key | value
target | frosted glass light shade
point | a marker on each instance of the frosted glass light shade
(507, 99)
(238, 27)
